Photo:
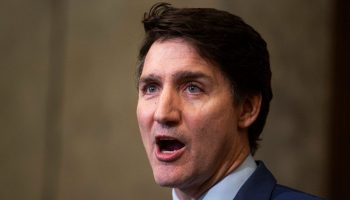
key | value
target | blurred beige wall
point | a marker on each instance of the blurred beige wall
(73, 132)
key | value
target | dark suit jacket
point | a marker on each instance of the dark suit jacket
(261, 185)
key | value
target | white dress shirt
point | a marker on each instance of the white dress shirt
(228, 187)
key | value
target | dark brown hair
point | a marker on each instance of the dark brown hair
(223, 39)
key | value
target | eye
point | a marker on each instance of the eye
(193, 89)
(150, 89)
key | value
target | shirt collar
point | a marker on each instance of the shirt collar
(228, 187)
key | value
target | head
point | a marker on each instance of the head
(224, 40)
(204, 91)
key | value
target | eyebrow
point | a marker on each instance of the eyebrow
(190, 75)
(180, 76)
(148, 79)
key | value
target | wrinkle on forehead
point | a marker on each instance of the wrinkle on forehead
(174, 58)
(178, 43)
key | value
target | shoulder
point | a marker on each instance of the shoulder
(281, 192)
(262, 185)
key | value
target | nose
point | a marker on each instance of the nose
(168, 111)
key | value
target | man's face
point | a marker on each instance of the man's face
(186, 115)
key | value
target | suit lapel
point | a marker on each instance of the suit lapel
(259, 185)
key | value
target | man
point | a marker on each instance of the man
(204, 94)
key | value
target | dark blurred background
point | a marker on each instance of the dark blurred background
(67, 96)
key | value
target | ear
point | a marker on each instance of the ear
(249, 110)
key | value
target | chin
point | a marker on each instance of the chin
(166, 178)
(165, 181)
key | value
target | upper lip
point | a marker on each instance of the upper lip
(165, 137)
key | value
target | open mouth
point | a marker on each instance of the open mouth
(168, 144)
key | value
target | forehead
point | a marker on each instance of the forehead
(169, 56)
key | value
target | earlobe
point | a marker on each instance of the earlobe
(249, 110)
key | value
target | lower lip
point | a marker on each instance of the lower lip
(169, 156)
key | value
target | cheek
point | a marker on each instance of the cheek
(144, 118)
(213, 134)
(144, 115)
(212, 124)
(213, 116)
